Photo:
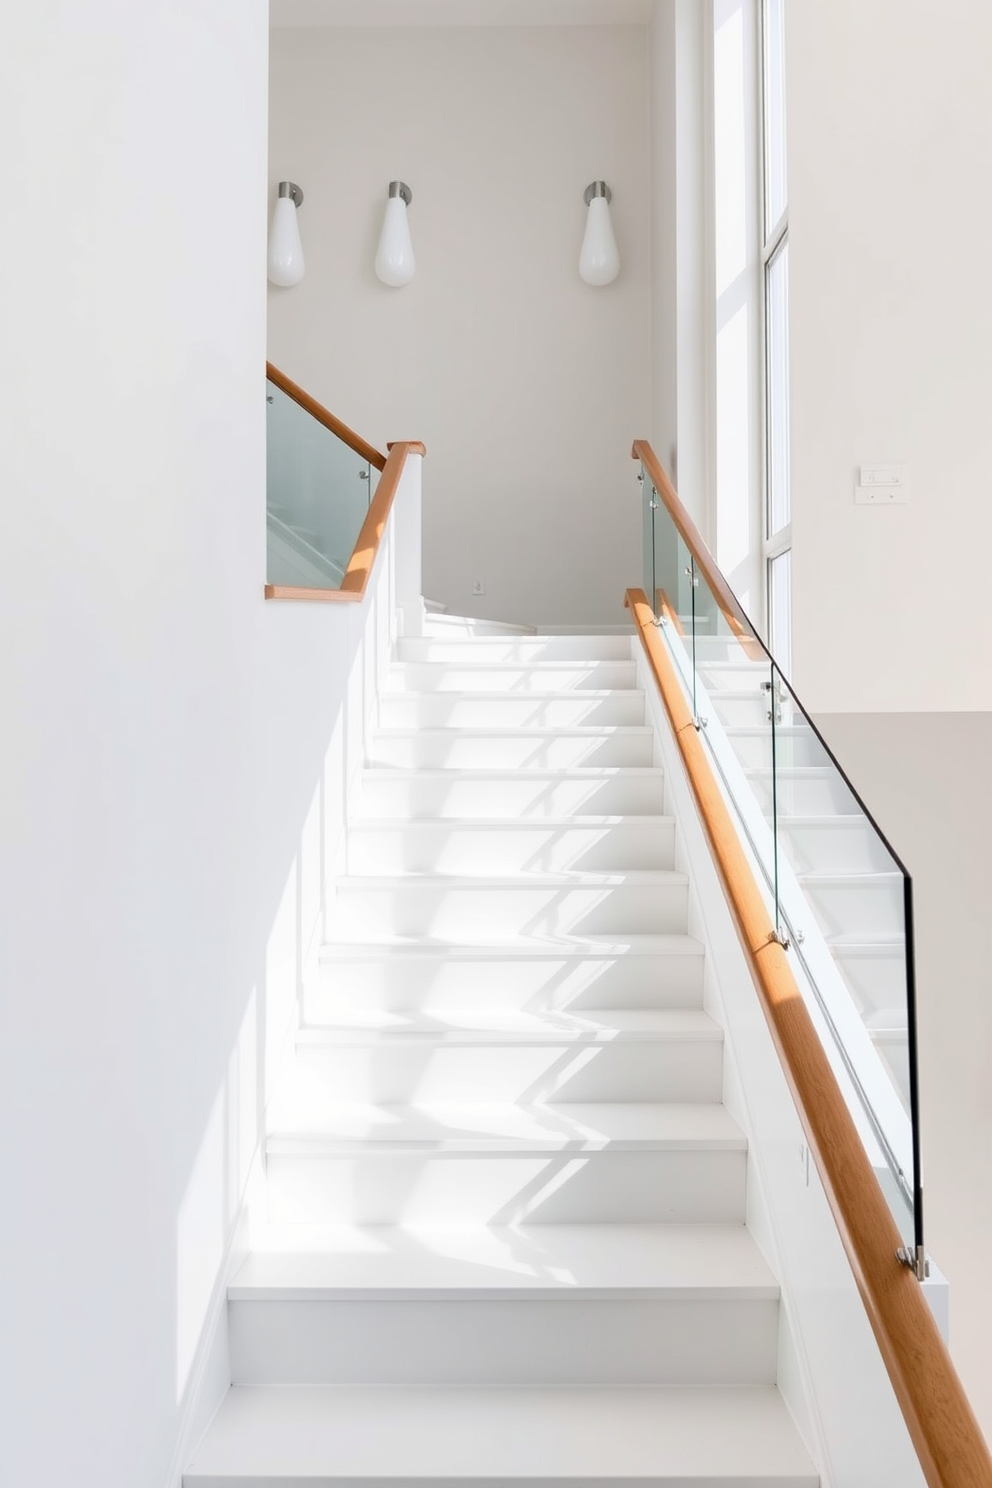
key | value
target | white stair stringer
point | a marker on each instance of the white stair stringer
(505, 1238)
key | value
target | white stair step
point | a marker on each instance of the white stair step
(445, 626)
(735, 675)
(489, 749)
(525, 651)
(741, 707)
(833, 844)
(491, 793)
(866, 906)
(504, 710)
(583, 1437)
(322, 1262)
(710, 648)
(650, 901)
(662, 971)
(579, 843)
(562, 1310)
(468, 1165)
(496, 676)
(813, 791)
(875, 971)
(648, 1056)
(795, 745)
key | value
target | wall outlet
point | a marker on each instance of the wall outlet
(478, 586)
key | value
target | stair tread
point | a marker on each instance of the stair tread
(323, 1434)
(479, 731)
(499, 1025)
(567, 878)
(306, 1118)
(536, 694)
(876, 878)
(687, 1261)
(512, 772)
(580, 946)
(472, 661)
(515, 823)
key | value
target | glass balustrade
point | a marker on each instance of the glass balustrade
(840, 898)
(318, 491)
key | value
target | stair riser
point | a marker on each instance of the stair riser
(541, 983)
(433, 677)
(893, 1049)
(730, 677)
(740, 712)
(873, 910)
(519, 1342)
(877, 982)
(815, 795)
(424, 1188)
(441, 710)
(510, 796)
(791, 750)
(445, 848)
(424, 1071)
(834, 848)
(509, 751)
(474, 912)
(526, 650)
(715, 648)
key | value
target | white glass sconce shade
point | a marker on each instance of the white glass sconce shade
(394, 262)
(286, 262)
(599, 260)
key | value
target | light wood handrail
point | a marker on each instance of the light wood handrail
(324, 416)
(362, 561)
(692, 537)
(941, 1423)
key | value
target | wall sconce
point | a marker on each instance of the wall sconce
(286, 264)
(599, 261)
(394, 263)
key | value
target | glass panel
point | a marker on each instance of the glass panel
(777, 352)
(649, 503)
(317, 494)
(774, 90)
(780, 610)
(838, 895)
(854, 893)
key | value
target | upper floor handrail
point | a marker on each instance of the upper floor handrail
(943, 1428)
(324, 416)
(360, 564)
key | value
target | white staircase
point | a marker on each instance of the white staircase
(505, 1239)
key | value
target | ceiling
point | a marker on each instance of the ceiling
(459, 12)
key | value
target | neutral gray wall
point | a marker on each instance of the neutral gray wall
(925, 776)
(527, 385)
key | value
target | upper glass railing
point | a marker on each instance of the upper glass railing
(320, 479)
(841, 898)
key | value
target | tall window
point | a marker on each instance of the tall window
(775, 258)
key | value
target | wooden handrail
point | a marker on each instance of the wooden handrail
(941, 1423)
(692, 537)
(362, 561)
(323, 416)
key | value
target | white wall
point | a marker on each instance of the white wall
(681, 142)
(171, 782)
(527, 385)
(890, 155)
